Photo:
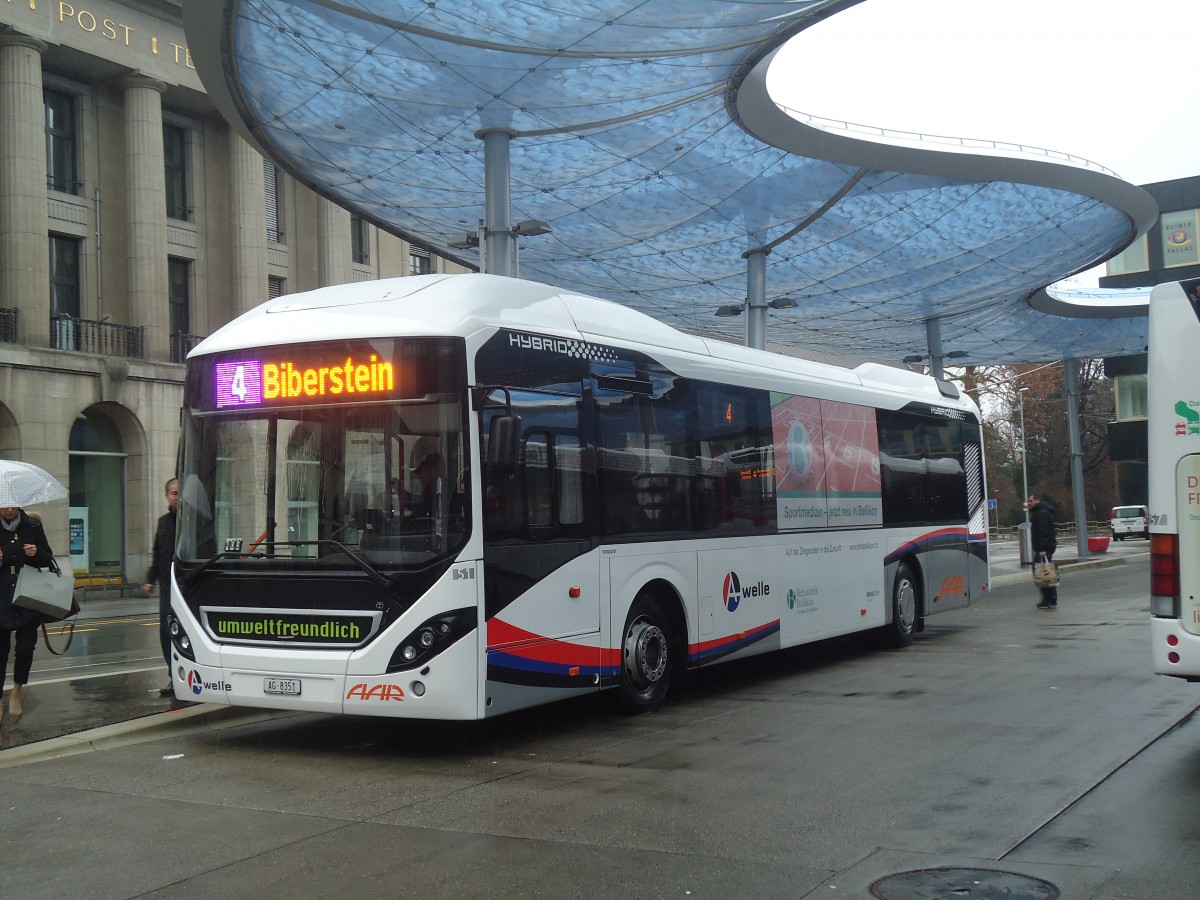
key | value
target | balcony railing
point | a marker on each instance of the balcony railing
(182, 344)
(10, 326)
(105, 338)
(64, 185)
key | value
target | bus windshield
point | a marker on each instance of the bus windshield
(327, 484)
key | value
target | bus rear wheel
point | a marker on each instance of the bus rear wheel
(646, 661)
(899, 632)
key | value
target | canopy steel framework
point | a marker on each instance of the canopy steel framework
(642, 132)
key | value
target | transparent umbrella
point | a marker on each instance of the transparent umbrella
(23, 484)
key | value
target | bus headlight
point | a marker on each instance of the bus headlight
(432, 637)
(180, 639)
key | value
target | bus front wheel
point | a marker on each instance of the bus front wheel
(645, 657)
(899, 632)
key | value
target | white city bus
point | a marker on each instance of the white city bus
(1173, 445)
(449, 497)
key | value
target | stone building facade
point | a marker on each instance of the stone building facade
(133, 222)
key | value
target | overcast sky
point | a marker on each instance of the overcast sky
(1113, 82)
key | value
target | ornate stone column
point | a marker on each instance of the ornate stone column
(247, 227)
(146, 222)
(334, 241)
(24, 226)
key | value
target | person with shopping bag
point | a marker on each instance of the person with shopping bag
(22, 543)
(1044, 541)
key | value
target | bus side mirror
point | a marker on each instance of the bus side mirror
(504, 443)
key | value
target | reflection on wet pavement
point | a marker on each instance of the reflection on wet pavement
(66, 707)
(71, 693)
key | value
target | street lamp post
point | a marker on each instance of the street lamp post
(1024, 467)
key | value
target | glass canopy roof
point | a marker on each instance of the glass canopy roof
(643, 134)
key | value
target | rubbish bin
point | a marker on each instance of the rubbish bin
(1025, 543)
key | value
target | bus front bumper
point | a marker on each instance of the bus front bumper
(446, 688)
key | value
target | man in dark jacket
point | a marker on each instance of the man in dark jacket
(159, 574)
(1041, 524)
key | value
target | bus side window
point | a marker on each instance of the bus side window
(543, 499)
(502, 506)
(620, 441)
(902, 468)
(568, 469)
(734, 482)
(538, 481)
(946, 487)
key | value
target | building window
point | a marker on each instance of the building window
(97, 501)
(276, 286)
(271, 182)
(175, 157)
(179, 290)
(419, 263)
(360, 241)
(1134, 258)
(64, 292)
(62, 166)
(1132, 397)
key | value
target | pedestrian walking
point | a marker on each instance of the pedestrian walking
(159, 574)
(1041, 524)
(22, 542)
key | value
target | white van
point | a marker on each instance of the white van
(1130, 521)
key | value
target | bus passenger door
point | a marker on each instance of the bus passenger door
(541, 574)
(946, 570)
(947, 552)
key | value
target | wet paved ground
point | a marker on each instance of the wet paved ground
(111, 674)
(1007, 738)
(57, 705)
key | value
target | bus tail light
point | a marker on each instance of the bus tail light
(1164, 575)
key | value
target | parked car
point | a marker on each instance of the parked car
(1130, 521)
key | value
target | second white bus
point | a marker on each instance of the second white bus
(1173, 444)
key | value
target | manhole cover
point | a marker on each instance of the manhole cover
(949, 884)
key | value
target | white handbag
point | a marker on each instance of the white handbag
(48, 591)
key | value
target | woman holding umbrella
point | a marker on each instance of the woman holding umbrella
(22, 542)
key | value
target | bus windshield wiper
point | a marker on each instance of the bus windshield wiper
(193, 574)
(377, 577)
(373, 573)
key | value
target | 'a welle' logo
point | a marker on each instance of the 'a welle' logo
(732, 594)
(198, 685)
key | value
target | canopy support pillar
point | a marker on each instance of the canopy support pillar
(756, 299)
(498, 236)
(933, 338)
(1071, 373)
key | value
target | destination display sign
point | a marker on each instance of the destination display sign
(285, 379)
(323, 373)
